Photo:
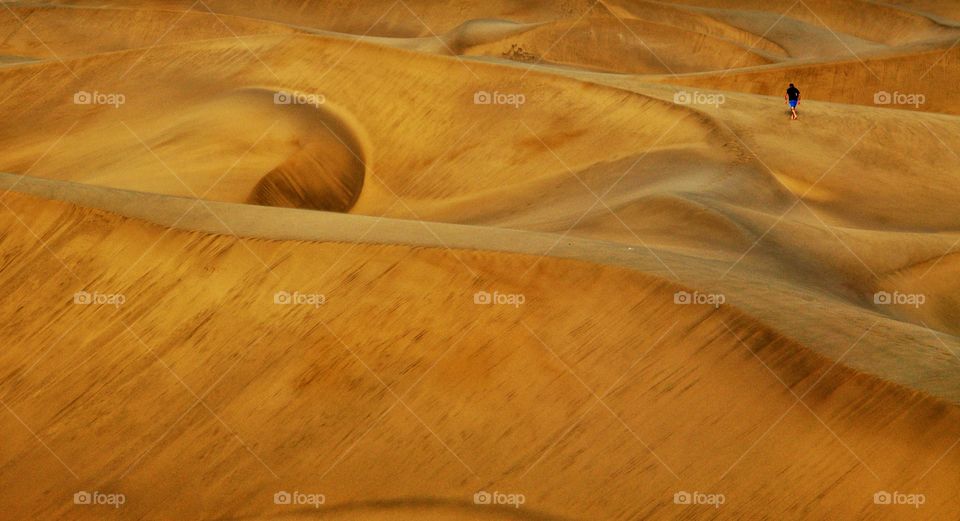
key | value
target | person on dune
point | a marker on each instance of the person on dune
(792, 98)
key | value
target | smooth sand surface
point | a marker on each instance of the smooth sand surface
(386, 164)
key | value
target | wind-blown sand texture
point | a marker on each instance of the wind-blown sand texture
(246, 248)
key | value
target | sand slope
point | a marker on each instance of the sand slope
(288, 390)
(538, 166)
(393, 159)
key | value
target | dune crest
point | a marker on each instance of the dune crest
(535, 260)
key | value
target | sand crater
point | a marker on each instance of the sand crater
(326, 171)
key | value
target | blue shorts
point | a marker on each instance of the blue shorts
(793, 103)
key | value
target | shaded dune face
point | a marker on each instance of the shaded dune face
(325, 173)
(266, 146)
(321, 176)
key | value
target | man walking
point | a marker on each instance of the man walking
(793, 99)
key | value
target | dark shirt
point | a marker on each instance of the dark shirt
(793, 93)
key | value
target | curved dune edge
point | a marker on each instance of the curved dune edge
(277, 224)
(274, 223)
(327, 171)
(501, 396)
(598, 43)
(929, 374)
(746, 24)
(406, 146)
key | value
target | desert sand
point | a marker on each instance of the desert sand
(479, 260)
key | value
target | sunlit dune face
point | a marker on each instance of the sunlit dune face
(479, 260)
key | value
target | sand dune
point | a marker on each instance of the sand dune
(613, 44)
(47, 32)
(686, 389)
(538, 167)
(246, 248)
(926, 73)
